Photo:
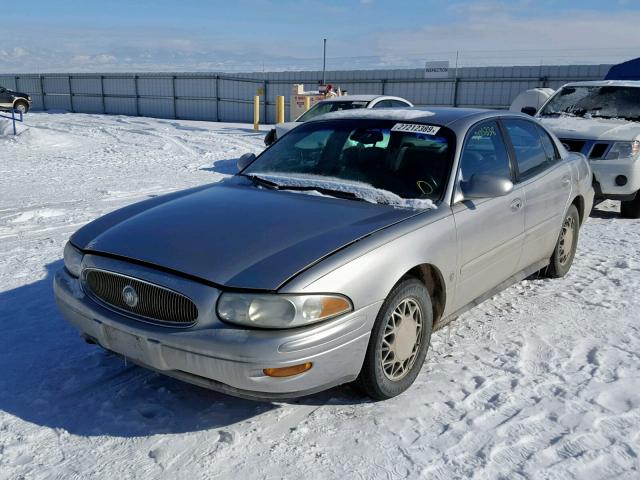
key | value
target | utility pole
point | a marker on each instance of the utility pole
(324, 59)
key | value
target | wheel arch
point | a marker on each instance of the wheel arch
(432, 278)
(578, 201)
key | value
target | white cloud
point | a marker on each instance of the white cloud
(577, 36)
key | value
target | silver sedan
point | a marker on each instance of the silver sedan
(332, 256)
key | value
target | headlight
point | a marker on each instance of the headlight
(624, 150)
(280, 311)
(72, 259)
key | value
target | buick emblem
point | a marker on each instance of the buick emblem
(130, 296)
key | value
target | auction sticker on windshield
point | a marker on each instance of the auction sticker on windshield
(415, 127)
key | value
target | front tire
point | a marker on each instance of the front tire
(22, 107)
(631, 209)
(399, 341)
(565, 250)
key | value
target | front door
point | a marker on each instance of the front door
(490, 230)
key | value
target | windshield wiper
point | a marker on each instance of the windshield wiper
(325, 191)
(259, 181)
(263, 182)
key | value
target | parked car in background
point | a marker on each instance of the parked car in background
(336, 104)
(602, 121)
(10, 99)
(333, 255)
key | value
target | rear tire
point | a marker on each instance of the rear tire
(21, 107)
(399, 341)
(565, 250)
(631, 209)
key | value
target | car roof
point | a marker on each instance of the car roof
(354, 98)
(436, 115)
(605, 83)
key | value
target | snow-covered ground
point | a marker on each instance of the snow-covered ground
(542, 381)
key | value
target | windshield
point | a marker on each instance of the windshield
(326, 107)
(591, 101)
(409, 161)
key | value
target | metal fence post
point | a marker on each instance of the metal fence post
(135, 84)
(456, 81)
(44, 106)
(173, 93)
(104, 105)
(70, 93)
(217, 98)
(383, 84)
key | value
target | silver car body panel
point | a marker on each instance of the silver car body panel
(471, 259)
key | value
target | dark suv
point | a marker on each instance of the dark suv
(10, 99)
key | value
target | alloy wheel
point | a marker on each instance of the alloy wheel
(401, 339)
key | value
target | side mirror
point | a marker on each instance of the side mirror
(270, 137)
(486, 186)
(529, 110)
(245, 160)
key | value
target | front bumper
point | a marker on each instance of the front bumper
(606, 172)
(223, 357)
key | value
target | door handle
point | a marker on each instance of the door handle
(566, 181)
(516, 205)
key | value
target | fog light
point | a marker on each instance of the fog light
(621, 180)
(288, 371)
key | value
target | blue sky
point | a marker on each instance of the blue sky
(107, 35)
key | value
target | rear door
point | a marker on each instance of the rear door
(546, 181)
(490, 230)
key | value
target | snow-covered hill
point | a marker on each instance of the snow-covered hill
(542, 381)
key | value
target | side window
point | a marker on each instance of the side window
(549, 146)
(383, 104)
(484, 152)
(531, 156)
(398, 104)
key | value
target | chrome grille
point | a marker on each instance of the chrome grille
(153, 302)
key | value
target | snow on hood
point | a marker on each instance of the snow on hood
(361, 190)
(614, 129)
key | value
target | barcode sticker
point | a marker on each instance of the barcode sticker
(415, 128)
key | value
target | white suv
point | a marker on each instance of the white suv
(602, 120)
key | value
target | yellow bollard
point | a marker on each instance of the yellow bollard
(279, 109)
(307, 103)
(256, 113)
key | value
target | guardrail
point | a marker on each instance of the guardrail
(13, 118)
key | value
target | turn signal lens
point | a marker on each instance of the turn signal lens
(288, 371)
(315, 308)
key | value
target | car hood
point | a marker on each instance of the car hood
(236, 235)
(593, 128)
